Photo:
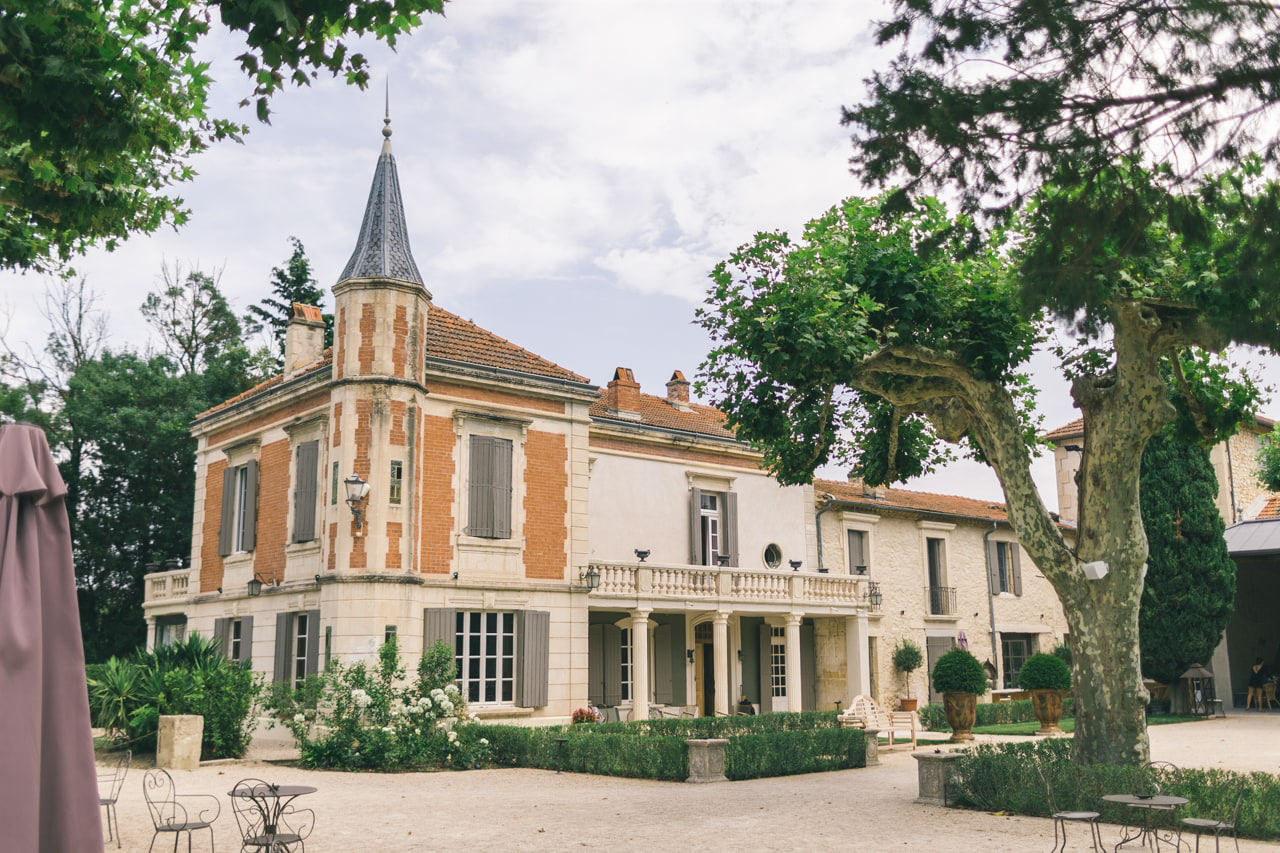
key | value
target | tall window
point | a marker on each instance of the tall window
(333, 487)
(625, 657)
(485, 652)
(777, 662)
(397, 481)
(936, 549)
(1004, 566)
(858, 551)
(302, 636)
(241, 510)
(710, 519)
(489, 485)
(234, 649)
(1015, 649)
(306, 484)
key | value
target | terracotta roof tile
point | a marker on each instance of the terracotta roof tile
(1270, 510)
(453, 338)
(657, 412)
(1075, 429)
(905, 499)
(325, 358)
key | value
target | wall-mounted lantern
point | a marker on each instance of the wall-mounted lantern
(357, 491)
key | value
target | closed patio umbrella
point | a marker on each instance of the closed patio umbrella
(48, 784)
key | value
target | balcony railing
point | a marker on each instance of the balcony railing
(161, 586)
(942, 600)
(706, 583)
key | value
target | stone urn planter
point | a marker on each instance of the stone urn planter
(961, 708)
(907, 703)
(1048, 707)
(960, 678)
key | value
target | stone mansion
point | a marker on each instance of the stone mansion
(568, 542)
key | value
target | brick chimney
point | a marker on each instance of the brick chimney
(622, 395)
(303, 337)
(678, 391)
(878, 493)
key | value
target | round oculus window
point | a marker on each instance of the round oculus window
(772, 556)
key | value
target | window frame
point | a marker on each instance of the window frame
(1008, 678)
(395, 482)
(235, 639)
(777, 662)
(302, 636)
(473, 687)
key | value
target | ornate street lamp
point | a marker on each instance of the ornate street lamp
(357, 491)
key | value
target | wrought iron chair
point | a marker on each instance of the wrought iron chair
(289, 827)
(1269, 695)
(177, 813)
(1217, 827)
(1062, 818)
(110, 781)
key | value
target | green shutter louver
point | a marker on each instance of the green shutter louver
(533, 641)
(227, 524)
(304, 492)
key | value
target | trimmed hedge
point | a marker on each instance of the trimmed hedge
(766, 745)
(933, 718)
(1003, 777)
(1044, 672)
(958, 671)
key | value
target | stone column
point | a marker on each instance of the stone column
(794, 687)
(639, 664)
(720, 648)
(857, 668)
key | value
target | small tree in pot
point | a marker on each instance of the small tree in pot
(960, 678)
(1048, 678)
(907, 658)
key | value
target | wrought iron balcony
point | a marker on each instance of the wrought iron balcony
(942, 600)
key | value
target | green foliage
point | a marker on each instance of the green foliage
(1044, 672)
(958, 671)
(103, 105)
(1190, 588)
(437, 667)
(907, 657)
(754, 756)
(290, 283)
(933, 717)
(127, 697)
(195, 324)
(1269, 461)
(1003, 778)
(1063, 651)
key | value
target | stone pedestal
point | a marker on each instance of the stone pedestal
(873, 746)
(935, 770)
(178, 741)
(706, 759)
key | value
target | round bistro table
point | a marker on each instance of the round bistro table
(1142, 830)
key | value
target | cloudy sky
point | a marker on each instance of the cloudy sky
(571, 172)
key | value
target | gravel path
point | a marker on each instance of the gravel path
(870, 809)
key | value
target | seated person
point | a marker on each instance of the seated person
(744, 706)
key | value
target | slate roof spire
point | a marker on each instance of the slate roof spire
(382, 248)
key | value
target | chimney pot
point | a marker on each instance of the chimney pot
(303, 337)
(678, 391)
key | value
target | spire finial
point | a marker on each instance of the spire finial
(386, 121)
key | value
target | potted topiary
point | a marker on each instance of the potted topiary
(960, 678)
(1048, 678)
(907, 658)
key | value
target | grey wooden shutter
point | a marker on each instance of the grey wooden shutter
(595, 664)
(679, 695)
(611, 638)
(766, 668)
(251, 506)
(501, 468)
(731, 527)
(313, 641)
(220, 636)
(480, 488)
(439, 625)
(304, 492)
(246, 639)
(533, 638)
(808, 669)
(1015, 568)
(695, 526)
(857, 550)
(662, 664)
(227, 525)
(993, 567)
(282, 648)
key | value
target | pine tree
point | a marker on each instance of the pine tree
(290, 283)
(1191, 580)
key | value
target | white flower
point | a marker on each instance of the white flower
(473, 717)
(395, 710)
(453, 736)
(484, 741)
(361, 698)
(299, 718)
(446, 706)
(451, 689)
(426, 703)
(417, 731)
(388, 729)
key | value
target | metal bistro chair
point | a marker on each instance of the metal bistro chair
(1061, 818)
(177, 813)
(110, 781)
(1217, 827)
(291, 829)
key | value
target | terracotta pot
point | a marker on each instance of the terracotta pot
(962, 712)
(905, 704)
(1048, 708)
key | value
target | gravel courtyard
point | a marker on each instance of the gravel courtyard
(870, 809)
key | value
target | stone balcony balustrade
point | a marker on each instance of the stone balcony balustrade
(165, 586)
(707, 587)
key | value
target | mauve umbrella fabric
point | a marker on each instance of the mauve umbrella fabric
(48, 783)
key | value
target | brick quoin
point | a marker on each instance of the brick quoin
(363, 439)
(546, 479)
(670, 453)
(397, 435)
(339, 338)
(274, 477)
(400, 341)
(337, 424)
(436, 520)
(271, 418)
(368, 328)
(210, 562)
(394, 529)
(422, 344)
(333, 546)
(446, 389)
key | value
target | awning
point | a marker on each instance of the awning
(1256, 538)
